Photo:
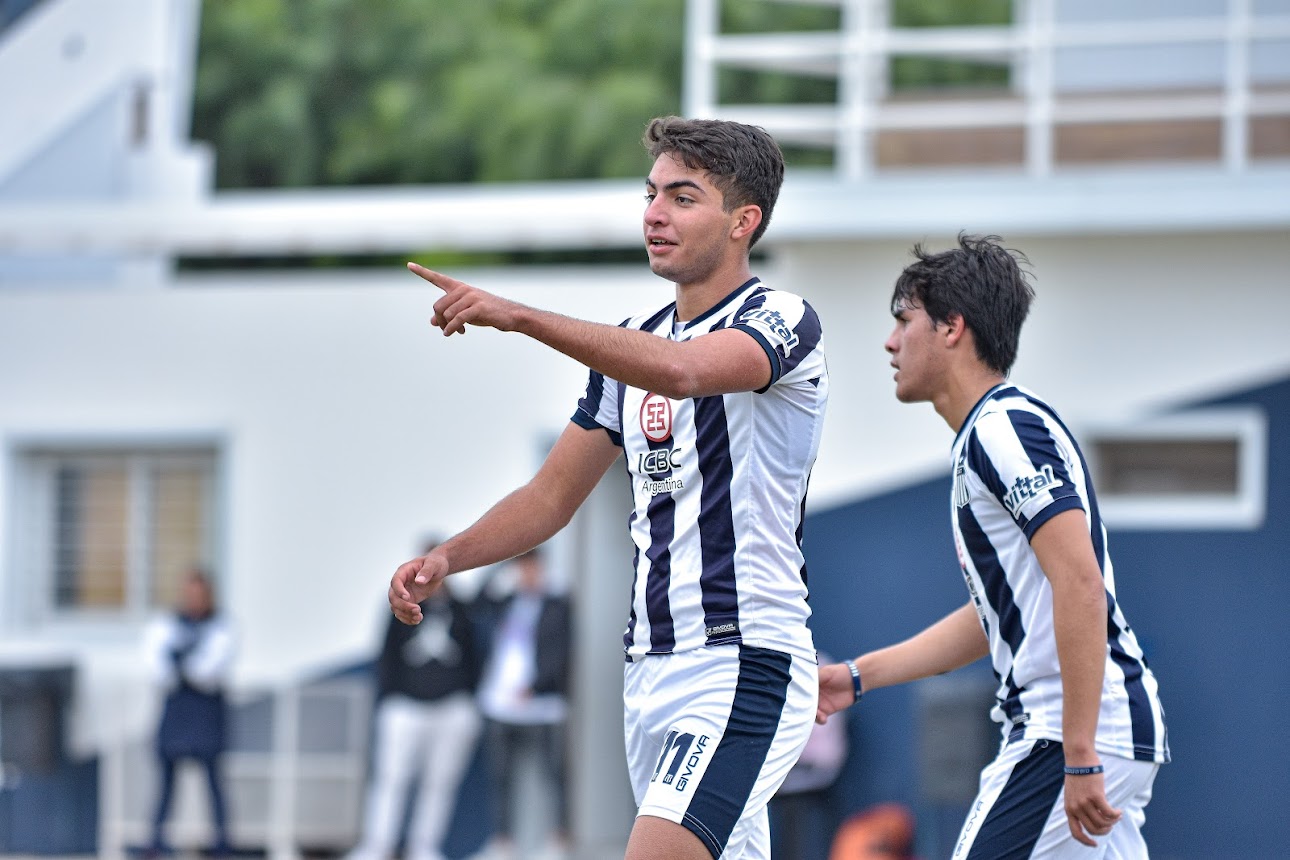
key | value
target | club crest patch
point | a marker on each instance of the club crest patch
(656, 417)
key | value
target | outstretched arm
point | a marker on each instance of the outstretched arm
(519, 522)
(1065, 552)
(718, 363)
(954, 641)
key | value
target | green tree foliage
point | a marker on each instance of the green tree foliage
(369, 92)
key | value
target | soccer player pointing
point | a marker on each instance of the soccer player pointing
(1083, 729)
(716, 402)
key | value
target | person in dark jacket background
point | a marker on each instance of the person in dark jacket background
(523, 695)
(427, 724)
(190, 655)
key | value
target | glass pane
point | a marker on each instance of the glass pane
(90, 529)
(1168, 466)
(178, 527)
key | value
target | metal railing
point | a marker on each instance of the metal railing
(294, 776)
(1242, 76)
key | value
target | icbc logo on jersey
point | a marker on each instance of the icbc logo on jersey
(656, 417)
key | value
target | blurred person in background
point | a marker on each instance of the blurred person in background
(426, 727)
(190, 655)
(1083, 730)
(715, 401)
(523, 695)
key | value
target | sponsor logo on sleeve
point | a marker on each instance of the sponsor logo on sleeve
(774, 326)
(1026, 487)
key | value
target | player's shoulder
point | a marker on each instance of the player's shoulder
(779, 307)
(1011, 398)
(766, 294)
(994, 415)
(1009, 410)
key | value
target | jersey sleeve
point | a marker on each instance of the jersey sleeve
(1024, 465)
(785, 326)
(600, 406)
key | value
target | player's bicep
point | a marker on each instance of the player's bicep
(725, 361)
(1064, 549)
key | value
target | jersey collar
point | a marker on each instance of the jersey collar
(730, 297)
(980, 404)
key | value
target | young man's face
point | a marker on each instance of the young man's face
(687, 234)
(917, 353)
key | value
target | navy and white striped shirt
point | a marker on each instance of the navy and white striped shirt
(1016, 466)
(719, 484)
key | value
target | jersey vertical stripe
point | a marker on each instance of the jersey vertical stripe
(1016, 466)
(716, 521)
(719, 484)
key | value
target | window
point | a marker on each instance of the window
(1205, 469)
(109, 531)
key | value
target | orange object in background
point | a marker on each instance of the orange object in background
(884, 831)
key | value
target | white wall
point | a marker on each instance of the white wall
(352, 428)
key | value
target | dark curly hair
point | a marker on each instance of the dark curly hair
(743, 161)
(980, 280)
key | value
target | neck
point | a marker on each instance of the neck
(961, 394)
(695, 299)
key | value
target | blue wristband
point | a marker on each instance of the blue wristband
(855, 678)
(1083, 771)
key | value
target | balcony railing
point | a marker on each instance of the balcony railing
(1091, 83)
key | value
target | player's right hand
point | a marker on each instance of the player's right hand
(836, 691)
(413, 582)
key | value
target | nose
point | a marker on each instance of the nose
(891, 343)
(654, 211)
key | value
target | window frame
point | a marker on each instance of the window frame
(1245, 509)
(32, 463)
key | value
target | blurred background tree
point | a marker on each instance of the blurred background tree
(380, 92)
(373, 92)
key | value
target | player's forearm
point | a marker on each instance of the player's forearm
(519, 522)
(1065, 552)
(639, 359)
(1079, 623)
(954, 641)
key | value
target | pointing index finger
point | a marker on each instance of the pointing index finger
(422, 272)
(439, 279)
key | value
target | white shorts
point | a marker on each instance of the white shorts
(1020, 810)
(711, 733)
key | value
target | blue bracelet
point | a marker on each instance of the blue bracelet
(855, 678)
(1083, 771)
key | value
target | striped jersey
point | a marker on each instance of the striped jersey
(719, 484)
(1016, 466)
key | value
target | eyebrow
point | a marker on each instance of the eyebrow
(672, 186)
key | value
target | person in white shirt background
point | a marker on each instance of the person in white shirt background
(190, 656)
(523, 697)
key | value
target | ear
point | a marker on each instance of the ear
(955, 329)
(747, 220)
